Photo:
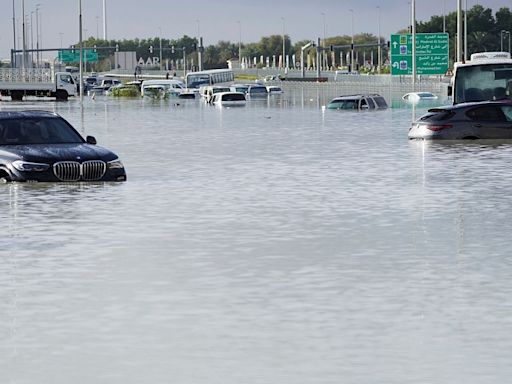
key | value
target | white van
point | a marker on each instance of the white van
(162, 88)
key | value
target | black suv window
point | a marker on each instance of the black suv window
(486, 113)
(37, 131)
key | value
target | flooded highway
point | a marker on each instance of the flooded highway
(270, 243)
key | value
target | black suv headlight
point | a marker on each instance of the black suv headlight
(26, 166)
(115, 164)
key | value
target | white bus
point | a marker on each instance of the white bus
(194, 80)
(487, 76)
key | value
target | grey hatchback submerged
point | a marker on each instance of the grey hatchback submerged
(480, 120)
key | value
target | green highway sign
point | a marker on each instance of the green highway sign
(432, 52)
(67, 56)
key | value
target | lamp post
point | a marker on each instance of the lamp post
(31, 40)
(104, 19)
(13, 58)
(24, 61)
(239, 44)
(81, 69)
(37, 33)
(502, 34)
(465, 30)
(413, 32)
(444, 16)
(282, 63)
(160, 40)
(378, 46)
(352, 40)
(323, 43)
(459, 30)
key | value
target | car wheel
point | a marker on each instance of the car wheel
(62, 95)
(4, 180)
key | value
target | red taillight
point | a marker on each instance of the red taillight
(438, 127)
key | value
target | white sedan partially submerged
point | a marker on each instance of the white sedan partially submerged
(414, 97)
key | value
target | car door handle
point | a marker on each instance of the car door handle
(477, 125)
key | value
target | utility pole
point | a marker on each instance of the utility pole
(81, 69)
(413, 30)
(378, 47)
(104, 19)
(459, 30)
(24, 62)
(13, 57)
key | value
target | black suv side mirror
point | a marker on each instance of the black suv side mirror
(91, 140)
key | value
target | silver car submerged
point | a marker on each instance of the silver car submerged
(481, 120)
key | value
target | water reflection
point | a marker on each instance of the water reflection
(286, 242)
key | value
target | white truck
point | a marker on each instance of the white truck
(18, 83)
(487, 76)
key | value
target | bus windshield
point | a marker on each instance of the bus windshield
(483, 82)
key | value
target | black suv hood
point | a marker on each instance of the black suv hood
(52, 153)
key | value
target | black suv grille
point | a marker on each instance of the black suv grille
(75, 171)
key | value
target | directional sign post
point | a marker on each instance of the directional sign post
(432, 52)
(67, 56)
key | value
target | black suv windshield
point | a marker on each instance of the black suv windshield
(37, 130)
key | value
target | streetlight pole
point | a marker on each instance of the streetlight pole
(444, 16)
(378, 46)
(282, 62)
(239, 44)
(24, 62)
(37, 33)
(13, 58)
(31, 40)
(459, 30)
(465, 30)
(352, 40)
(323, 43)
(502, 34)
(413, 31)
(160, 39)
(81, 69)
(104, 19)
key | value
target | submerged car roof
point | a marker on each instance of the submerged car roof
(357, 96)
(25, 114)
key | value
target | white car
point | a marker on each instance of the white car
(414, 97)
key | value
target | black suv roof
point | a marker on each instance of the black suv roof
(25, 114)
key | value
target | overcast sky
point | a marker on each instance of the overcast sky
(215, 20)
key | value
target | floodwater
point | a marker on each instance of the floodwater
(271, 243)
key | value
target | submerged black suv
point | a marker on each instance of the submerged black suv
(43, 146)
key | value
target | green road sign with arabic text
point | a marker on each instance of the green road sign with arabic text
(432, 52)
(67, 56)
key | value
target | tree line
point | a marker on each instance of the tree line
(484, 34)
